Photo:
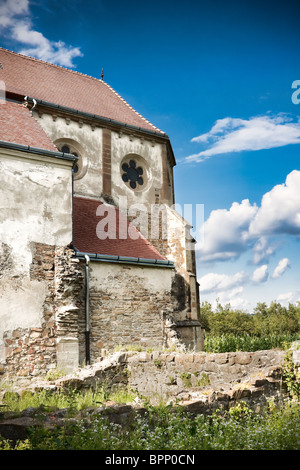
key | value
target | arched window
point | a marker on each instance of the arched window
(72, 147)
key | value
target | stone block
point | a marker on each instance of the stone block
(210, 366)
(144, 357)
(167, 357)
(184, 358)
(221, 358)
(296, 357)
(243, 358)
(200, 358)
(67, 354)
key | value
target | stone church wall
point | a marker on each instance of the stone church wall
(149, 155)
(35, 219)
(128, 305)
(87, 142)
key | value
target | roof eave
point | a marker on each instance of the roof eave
(125, 259)
(103, 120)
(36, 150)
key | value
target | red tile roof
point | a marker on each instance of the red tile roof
(41, 80)
(19, 127)
(86, 239)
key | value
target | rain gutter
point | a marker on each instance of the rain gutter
(100, 119)
(87, 311)
(125, 259)
(39, 151)
(93, 116)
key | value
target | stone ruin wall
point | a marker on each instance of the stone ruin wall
(31, 352)
(168, 375)
(128, 305)
(199, 382)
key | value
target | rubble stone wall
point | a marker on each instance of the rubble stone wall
(169, 374)
(128, 305)
(32, 351)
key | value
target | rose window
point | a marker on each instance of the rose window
(132, 174)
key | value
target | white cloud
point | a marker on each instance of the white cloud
(16, 22)
(212, 282)
(257, 133)
(9, 9)
(260, 274)
(225, 233)
(225, 288)
(281, 267)
(262, 250)
(285, 299)
(280, 209)
(234, 298)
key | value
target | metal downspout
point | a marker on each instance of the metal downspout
(87, 312)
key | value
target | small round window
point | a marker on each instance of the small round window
(132, 174)
(66, 149)
(74, 148)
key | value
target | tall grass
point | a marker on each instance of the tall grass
(231, 343)
(238, 429)
(74, 400)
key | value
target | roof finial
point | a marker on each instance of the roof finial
(102, 75)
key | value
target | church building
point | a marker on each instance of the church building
(93, 254)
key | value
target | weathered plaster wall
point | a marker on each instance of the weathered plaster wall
(89, 142)
(128, 304)
(35, 216)
(149, 155)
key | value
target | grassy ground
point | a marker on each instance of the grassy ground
(160, 428)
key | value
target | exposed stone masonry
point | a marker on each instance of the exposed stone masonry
(33, 351)
(124, 311)
(29, 351)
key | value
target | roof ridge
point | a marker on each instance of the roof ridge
(140, 115)
(84, 75)
(34, 59)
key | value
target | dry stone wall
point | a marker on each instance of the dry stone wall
(168, 375)
(201, 384)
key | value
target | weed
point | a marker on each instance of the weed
(55, 374)
(186, 378)
(291, 375)
(163, 429)
(204, 380)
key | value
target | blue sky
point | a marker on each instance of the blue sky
(217, 78)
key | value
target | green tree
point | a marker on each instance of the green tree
(225, 320)
(276, 319)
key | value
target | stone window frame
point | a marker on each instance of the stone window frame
(141, 163)
(75, 149)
